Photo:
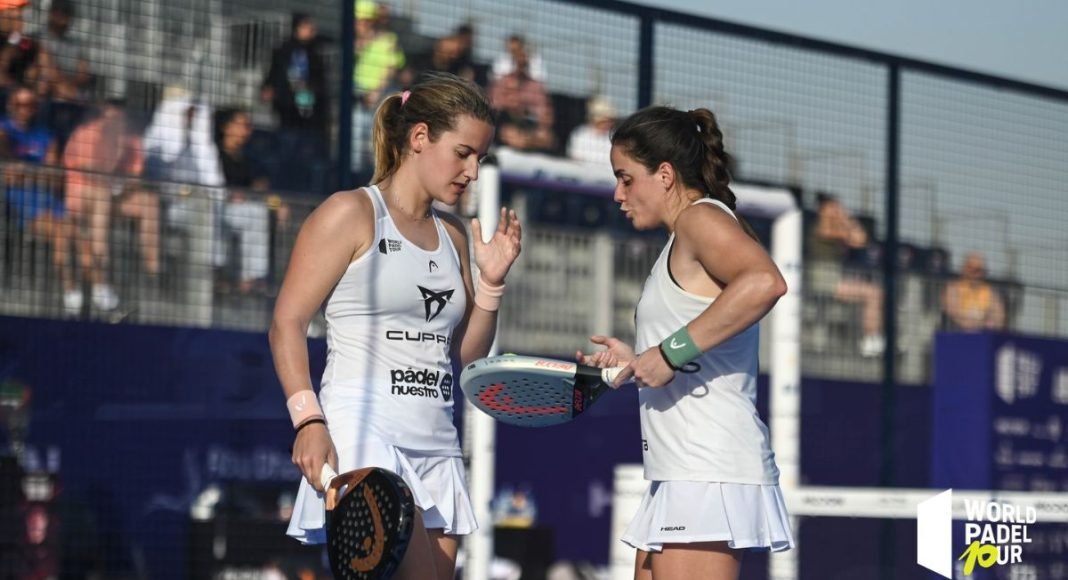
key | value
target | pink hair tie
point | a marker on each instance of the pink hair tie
(404, 97)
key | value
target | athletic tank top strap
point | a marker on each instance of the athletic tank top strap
(717, 203)
(378, 200)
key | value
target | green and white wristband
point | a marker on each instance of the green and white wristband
(679, 349)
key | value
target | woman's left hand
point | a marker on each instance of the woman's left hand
(496, 257)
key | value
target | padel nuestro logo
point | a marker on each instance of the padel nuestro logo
(994, 534)
(425, 383)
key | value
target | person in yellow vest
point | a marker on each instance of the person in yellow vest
(970, 302)
(378, 55)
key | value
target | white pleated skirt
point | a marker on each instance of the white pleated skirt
(437, 482)
(747, 517)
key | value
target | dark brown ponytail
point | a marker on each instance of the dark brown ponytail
(714, 167)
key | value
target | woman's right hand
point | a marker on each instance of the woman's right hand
(616, 353)
(311, 449)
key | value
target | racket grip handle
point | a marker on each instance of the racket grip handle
(327, 475)
(609, 375)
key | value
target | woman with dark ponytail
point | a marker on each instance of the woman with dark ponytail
(401, 309)
(714, 490)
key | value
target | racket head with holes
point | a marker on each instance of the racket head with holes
(532, 391)
(369, 517)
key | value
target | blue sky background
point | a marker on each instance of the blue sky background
(1025, 40)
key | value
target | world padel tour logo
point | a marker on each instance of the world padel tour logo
(994, 534)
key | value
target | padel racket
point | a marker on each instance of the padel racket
(369, 517)
(534, 392)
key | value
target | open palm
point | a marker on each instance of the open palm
(616, 354)
(495, 258)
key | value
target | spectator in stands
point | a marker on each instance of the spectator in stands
(180, 150)
(524, 111)
(970, 302)
(591, 142)
(135, 199)
(295, 84)
(34, 196)
(100, 157)
(446, 57)
(835, 234)
(378, 55)
(240, 171)
(516, 49)
(21, 58)
(67, 74)
(179, 147)
(246, 216)
(465, 35)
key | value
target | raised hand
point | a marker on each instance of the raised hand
(495, 258)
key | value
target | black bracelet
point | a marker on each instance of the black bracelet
(664, 356)
(309, 422)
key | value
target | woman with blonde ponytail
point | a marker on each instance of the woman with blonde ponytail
(714, 490)
(401, 309)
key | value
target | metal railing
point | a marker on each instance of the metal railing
(171, 253)
(222, 254)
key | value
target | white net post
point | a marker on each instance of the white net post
(480, 432)
(628, 487)
(785, 374)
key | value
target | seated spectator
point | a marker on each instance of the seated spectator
(178, 144)
(181, 152)
(970, 302)
(67, 75)
(245, 216)
(21, 58)
(35, 196)
(524, 111)
(465, 36)
(446, 57)
(137, 201)
(592, 142)
(516, 49)
(100, 155)
(378, 55)
(835, 234)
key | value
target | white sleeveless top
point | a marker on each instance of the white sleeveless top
(389, 326)
(701, 426)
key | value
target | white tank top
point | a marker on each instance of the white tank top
(702, 426)
(389, 325)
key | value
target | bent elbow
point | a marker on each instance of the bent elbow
(773, 286)
(778, 287)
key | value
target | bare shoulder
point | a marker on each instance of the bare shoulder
(702, 220)
(344, 208)
(346, 217)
